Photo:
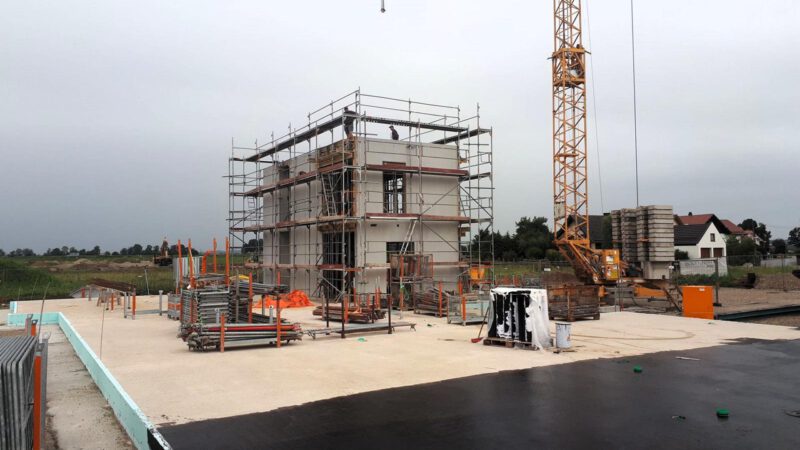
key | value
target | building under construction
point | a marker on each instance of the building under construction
(339, 207)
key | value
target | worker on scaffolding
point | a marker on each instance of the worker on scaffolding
(395, 134)
(349, 118)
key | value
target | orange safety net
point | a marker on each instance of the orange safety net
(294, 299)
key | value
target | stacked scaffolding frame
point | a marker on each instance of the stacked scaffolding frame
(302, 202)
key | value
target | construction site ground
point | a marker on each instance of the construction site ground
(739, 300)
(173, 385)
(735, 299)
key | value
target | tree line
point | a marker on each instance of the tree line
(133, 250)
(531, 239)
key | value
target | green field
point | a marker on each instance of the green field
(502, 269)
(57, 276)
(32, 277)
(736, 274)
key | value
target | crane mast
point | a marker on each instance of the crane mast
(570, 186)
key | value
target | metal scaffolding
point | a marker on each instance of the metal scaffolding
(301, 206)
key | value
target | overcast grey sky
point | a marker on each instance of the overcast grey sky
(116, 117)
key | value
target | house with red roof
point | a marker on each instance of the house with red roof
(724, 226)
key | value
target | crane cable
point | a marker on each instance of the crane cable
(594, 109)
(635, 124)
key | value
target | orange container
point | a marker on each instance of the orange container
(698, 302)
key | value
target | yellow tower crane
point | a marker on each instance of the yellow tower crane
(570, 186)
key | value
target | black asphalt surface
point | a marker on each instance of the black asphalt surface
(589, 404)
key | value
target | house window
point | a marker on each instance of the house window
(705, 252)
(393, 193)
(396, 247)
(284, 247)
(713, 237)
(339, 256)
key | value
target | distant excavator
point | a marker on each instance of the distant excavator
(162, 258)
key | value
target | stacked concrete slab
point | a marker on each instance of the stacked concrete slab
(624, 233)
(657, 238)
(644, 234)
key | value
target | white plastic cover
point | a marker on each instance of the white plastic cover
(537, 320)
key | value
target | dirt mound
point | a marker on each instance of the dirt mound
(89, 265)
(130, 265)
(41, 264)
(778, 281)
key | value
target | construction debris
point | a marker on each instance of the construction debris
(355, 314)
(432, 301)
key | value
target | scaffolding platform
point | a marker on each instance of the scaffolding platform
(322, 207)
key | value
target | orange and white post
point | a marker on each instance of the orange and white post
(215, 254)
(250, 298)
(180, 268)
(222, 332)
(227, 262)
(463, 303)
(278, 308)
(190, 261)
(440, 299)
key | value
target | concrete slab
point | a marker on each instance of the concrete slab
(173, 385)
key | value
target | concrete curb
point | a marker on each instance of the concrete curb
(143, 434)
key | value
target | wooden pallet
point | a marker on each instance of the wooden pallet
(508, 343)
